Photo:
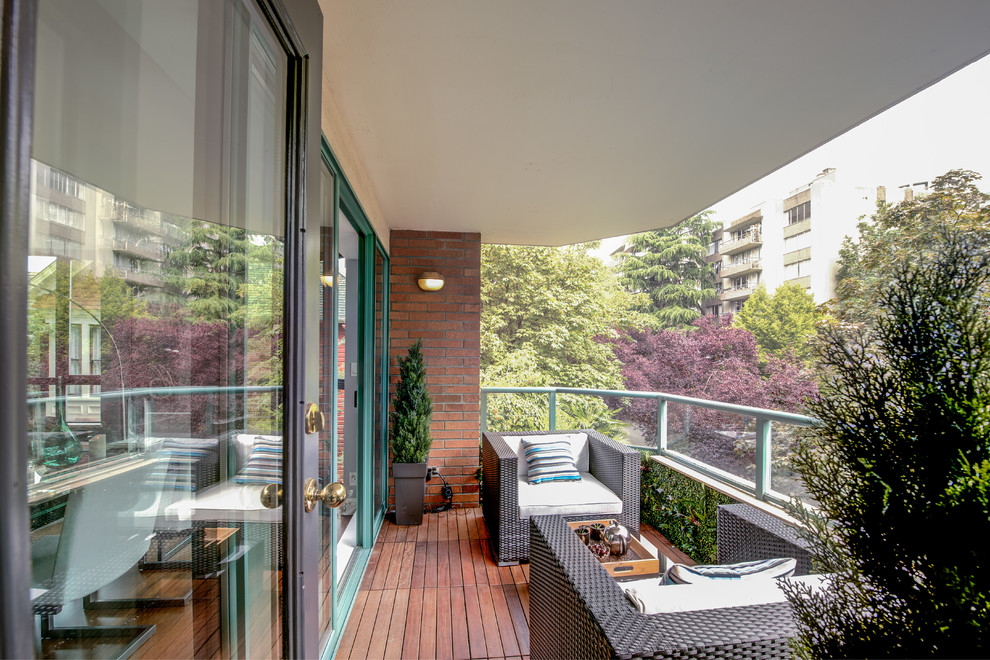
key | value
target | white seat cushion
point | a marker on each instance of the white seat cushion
(567, 498)
(649, 596)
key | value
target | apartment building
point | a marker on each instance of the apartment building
(792, 238)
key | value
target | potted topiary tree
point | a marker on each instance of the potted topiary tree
(410, 437)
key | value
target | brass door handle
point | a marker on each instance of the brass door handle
(332, 495)
(314, 421)
(271, 496)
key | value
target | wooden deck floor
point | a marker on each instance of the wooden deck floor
(435, 591)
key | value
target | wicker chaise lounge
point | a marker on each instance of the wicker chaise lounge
(578, 611)
(615, 465)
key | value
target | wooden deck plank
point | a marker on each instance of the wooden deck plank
(432, 570)
(517, 574)
(478, 559)
(357, 612)
(476, 630)
(522, 589)
(460, 647)
(418, 580)
(403, 570)
(444, 647)
(491, 565)
(454, 555)
(383, 622)
(397, 625)
(382, 566)
(442, 551)
(414, 619)
(467, 567)
(366, 627)
(493, 639)
(519, 617)
(428, 625)
(506, 631)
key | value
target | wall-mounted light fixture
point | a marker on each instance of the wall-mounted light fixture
(430, 281)
(327, 277)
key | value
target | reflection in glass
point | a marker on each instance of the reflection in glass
(328, 398)
(379, 382)
(155, 324)
(349, 359)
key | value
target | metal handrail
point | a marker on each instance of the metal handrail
(760, 489)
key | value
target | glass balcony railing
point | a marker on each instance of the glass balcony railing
(748, 449)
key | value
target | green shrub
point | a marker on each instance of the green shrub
(900, 466)
(681, 509)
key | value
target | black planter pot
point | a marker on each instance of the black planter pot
(410, 492)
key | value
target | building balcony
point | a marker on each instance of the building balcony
(143, 250)
(751, 239)
(745, 267)
(736, 293)
(142, 278)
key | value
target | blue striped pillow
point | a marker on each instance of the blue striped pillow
(549, 460)
(264, 465)
(184, 458)
(763, 568)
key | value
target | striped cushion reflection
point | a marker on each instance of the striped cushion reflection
(264, 465)
(549, 460)
(764, 568)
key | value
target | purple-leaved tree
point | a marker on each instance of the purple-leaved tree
(714, 361)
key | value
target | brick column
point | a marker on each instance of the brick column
(449, 323)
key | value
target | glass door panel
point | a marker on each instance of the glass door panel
(349, 354)
(329, 402)
(380, 384)
(156, 268)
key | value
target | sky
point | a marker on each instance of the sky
(945, 126)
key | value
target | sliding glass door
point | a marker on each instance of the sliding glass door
(165, 201)
(352, 382)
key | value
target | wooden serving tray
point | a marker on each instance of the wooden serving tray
(637, 560)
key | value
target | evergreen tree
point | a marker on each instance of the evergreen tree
(206, 274)
(783, 323)
(669, 267)
(411, 409)
(899, 464)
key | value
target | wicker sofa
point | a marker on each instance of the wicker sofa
(578, 611)
(615, 465)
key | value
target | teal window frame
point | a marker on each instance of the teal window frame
(371, 514)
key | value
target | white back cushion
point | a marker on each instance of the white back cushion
(579, 448)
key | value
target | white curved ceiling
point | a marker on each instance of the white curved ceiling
(559, 121)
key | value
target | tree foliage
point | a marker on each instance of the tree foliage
(206, 273)
(668, 266)
(718, 362)
(545, 311)
(783, 323)
(900, 234)
(900, 465)
(412, 409)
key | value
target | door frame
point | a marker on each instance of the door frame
(370, 514)
(19, 19)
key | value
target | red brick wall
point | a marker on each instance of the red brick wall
(449, 322)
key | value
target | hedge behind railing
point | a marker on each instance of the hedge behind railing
(681, 509)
